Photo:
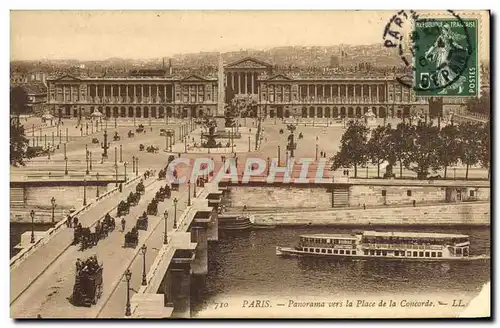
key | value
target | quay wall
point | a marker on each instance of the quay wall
(477, 213)
(65, 196)
(321, 197)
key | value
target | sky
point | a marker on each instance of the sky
(97, 35)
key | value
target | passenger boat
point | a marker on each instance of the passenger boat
(384, 245)
(233, 222)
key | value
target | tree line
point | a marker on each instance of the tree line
(420, 148)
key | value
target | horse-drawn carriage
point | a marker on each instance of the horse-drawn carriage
(130, 134)
(167, 191)
(85, 236)
(160, 195)
(133, 198)
(140, 188)
(174, 186)
(141, 147)
(153, 149)
(131, 238)
(142, 222)
(88, 282)
(140, 128)
(116, 137)
(152, 208)
(108, 225)
(95, 140)
(123, 208)
(162, 174)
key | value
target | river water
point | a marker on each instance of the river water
(245, 265)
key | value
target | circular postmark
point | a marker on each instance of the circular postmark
(436, 51)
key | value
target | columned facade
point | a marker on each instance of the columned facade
(133, 97)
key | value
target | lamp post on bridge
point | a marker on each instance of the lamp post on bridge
(136, 166)
(175, 213)
(97, 179)
(87, 159)
(128, 276)
(189, 193)
(116, 175)
(66, 166)
(32, 214)
(194, 189)
(144, 249)
(84, 191)
(165, 217)
(125, 169)
(121, 158)
(90, 160)
(53, 202)
(133, 164)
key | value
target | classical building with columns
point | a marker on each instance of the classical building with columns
(279, 95)
(156, 94)
(143, 96)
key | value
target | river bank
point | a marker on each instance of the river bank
(473, 213)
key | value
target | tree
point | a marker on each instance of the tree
(400, 146)
(480, 105)
(447, 148)
(423, 152)
(18, 143)
(377, 146)
(485, 151)
(18, 101)
(353, 147)
(469, 144)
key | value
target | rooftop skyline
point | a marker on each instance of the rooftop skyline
(98, 35)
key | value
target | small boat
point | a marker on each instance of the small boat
(232, 222)
(413, 246)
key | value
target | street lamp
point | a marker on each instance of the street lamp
(189, 193)
(133, 164)
(87, 159)
(136, 166)
(97, 189)
(165, 216)
(125, 169)
(128, 276)
(143, 251)
(53, 202)
(175, 213)
(84, 191)
(90, 160)
(32, 214)
(66, 166)
(194, 190)
(116, 175)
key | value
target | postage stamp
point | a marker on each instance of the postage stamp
(445, 57)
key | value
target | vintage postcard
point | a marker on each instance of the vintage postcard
(250, 164)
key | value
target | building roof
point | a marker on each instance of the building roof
(33, 88)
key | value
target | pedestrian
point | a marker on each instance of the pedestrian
(414, 203)
(75, 222)
(364, 206)
(123, 222)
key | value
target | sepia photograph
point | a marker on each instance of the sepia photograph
(213, 164)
